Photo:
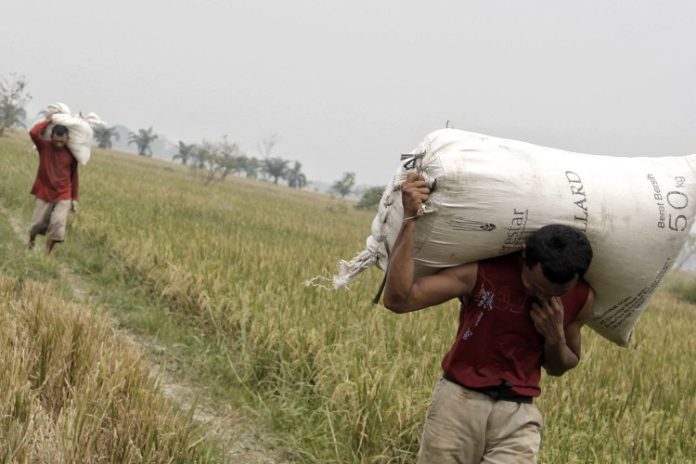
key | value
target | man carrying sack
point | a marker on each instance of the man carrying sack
(519, 312)
(55, 187)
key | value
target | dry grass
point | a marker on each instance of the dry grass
(74, 391)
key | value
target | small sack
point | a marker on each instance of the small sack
(489, 194)
(80, 130)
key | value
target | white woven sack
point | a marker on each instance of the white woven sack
(80, 130)
(489, 194)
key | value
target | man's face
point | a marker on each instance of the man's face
(59, 141)
(541, 288)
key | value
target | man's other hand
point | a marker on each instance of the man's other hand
(548, 320)
(74, 206)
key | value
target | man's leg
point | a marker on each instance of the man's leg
(514, 434)
(56, 226)
(40, 220)
(49, 246)
(455, 426)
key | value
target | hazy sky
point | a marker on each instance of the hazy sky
(349, 85)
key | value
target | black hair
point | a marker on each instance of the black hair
(563, 252)
(59, 129)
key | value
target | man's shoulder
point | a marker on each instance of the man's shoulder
(579, 296)
(465, 269)
(581, 288)
(510, 262)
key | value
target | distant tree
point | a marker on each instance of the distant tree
(250, 165)
(13, 99)
(143, 140)
(227, 159)
(265, 148)
(276, 168)
(371, 197)
(344, 186)
(197, 159)
(296, 179)
(267, 144)
(205, 160)
(103, 136)
(186, 152)
(242, 162)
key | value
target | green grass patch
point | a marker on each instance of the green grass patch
(682, 285)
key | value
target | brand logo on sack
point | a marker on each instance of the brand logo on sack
(470, 226)
(579, 199)
(516, 231)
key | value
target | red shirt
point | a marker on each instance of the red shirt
(56, 178)
(497, 341)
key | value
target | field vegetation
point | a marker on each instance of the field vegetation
(219, 271)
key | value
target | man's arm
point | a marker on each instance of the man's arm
(562, 346)
(35, 132)
(402, 292)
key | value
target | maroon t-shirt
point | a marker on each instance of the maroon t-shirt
(56, 178)
(497, 341)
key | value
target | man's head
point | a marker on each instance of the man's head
(555, 257)
(59, 136)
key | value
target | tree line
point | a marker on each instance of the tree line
(216, 160)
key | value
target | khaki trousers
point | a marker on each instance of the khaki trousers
(50, 219)
(467, 427)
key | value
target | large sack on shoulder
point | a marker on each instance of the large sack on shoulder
(489, 194)
(79, 129)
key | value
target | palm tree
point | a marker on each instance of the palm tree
(296, 179)
(143, 140)
(103, 136)
(186, 152)
(275, 168)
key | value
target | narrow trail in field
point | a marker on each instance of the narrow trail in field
(243, 441)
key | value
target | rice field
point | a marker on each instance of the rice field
(338, 379)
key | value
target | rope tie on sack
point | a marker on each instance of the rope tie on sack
(413, 161)
(377, 249)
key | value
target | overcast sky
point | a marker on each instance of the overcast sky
(349, 85)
